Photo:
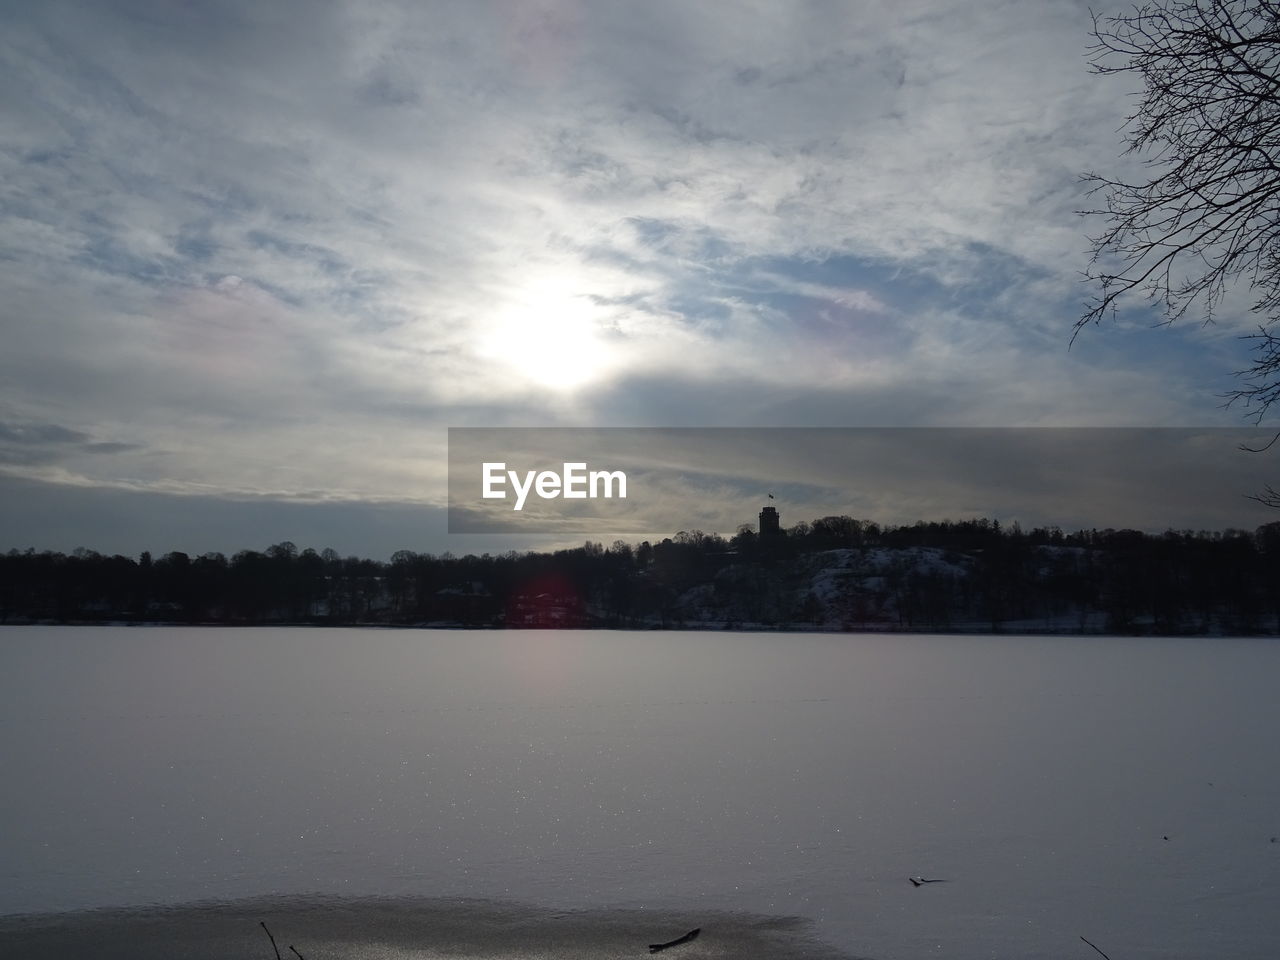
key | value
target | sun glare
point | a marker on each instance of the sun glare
(548, 335)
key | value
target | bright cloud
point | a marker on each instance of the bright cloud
(274, 249)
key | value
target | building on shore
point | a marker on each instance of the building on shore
(770, 522)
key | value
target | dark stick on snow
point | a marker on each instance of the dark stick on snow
(296, 953)
(692, 934)
(272, 939)
(1094, 947)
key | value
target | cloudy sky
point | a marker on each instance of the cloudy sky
(258, 257)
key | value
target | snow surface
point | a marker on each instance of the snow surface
(771, 774)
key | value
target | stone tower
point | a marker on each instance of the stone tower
(769, 521)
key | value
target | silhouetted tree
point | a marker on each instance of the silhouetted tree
(938, 575)
(1206, 212)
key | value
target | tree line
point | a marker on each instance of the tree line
(831, 573)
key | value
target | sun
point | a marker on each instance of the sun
(549, 334)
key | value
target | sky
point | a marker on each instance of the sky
(628, 482)
(258, 257)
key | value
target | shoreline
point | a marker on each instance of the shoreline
(390, 926)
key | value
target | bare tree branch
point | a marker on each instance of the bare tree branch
(1208, 129)
(1270, 497)
(271, 938)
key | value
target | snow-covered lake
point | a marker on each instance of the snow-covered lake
(1124, 790)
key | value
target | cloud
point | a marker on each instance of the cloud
(111, 520)
(34, 448)
(40, 434)
(276, 250)
(715, 479)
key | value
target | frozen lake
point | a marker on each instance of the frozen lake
(681, 775)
